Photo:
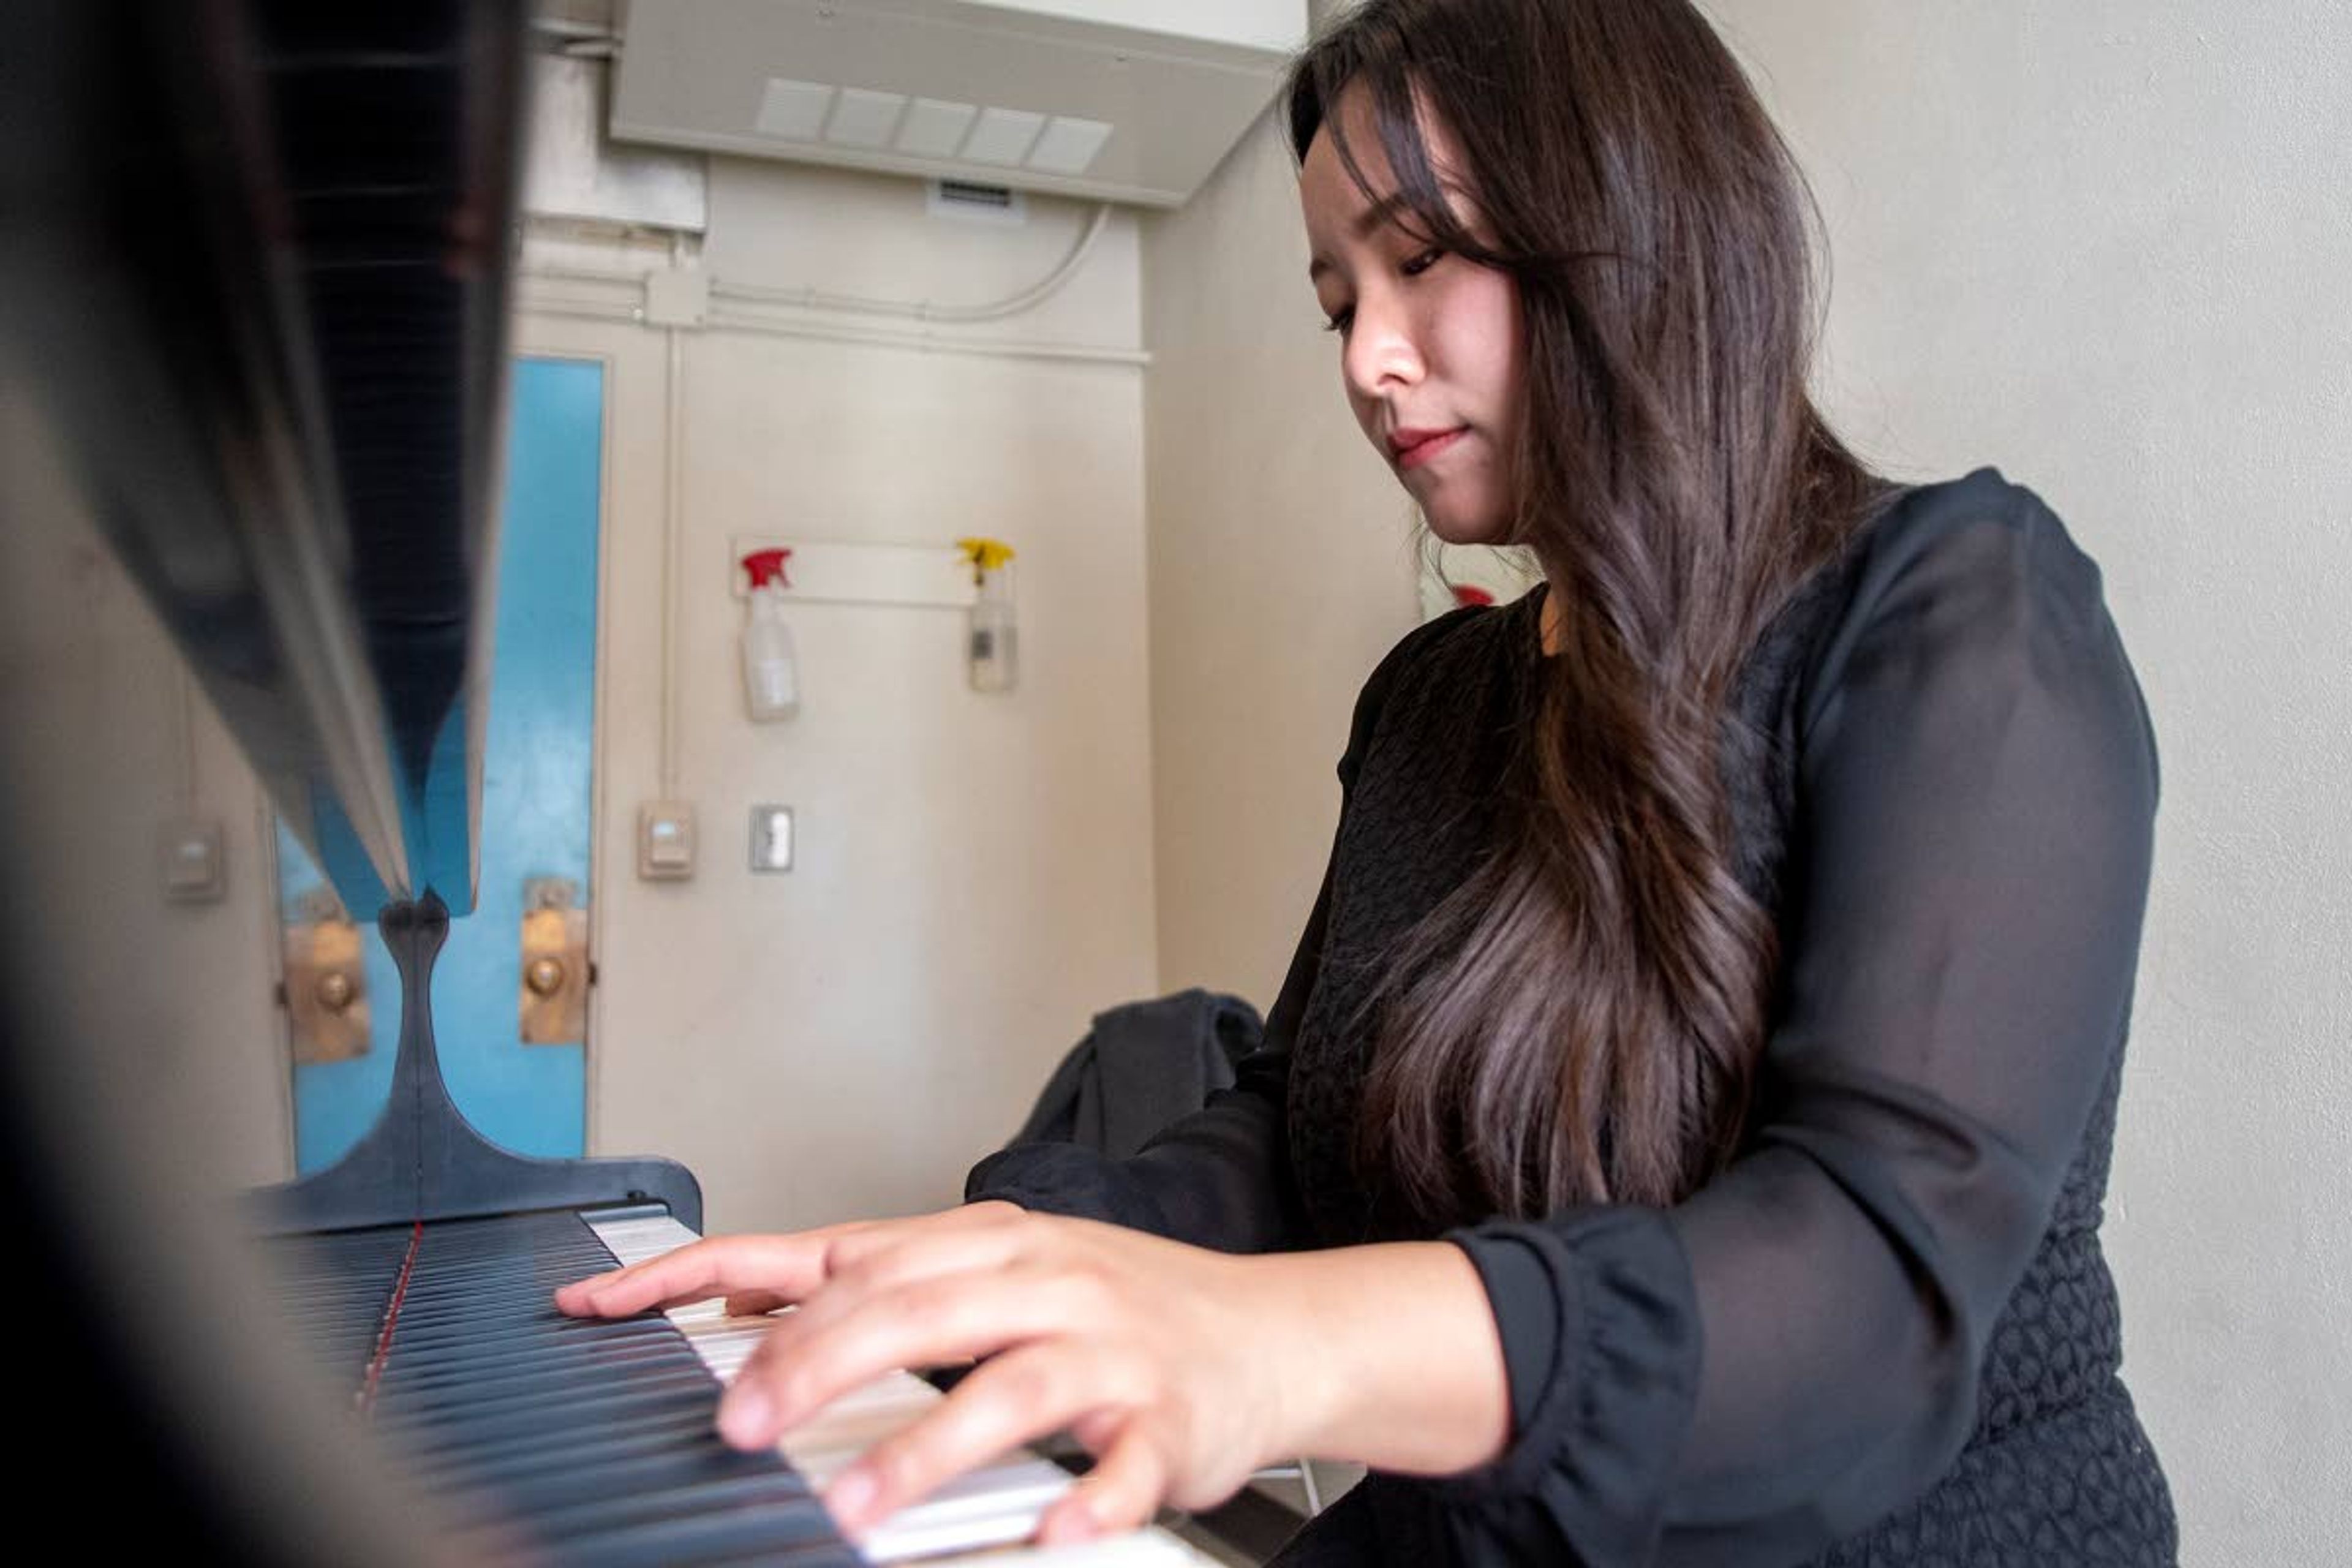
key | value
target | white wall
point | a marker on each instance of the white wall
(975, 873)
(2104, 244)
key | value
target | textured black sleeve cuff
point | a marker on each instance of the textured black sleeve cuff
(1601, 1342)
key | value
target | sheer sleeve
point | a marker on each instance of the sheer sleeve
(1221, 1177)
(1794, 1353)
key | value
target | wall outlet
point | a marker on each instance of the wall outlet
(195, 868)
(665, 840)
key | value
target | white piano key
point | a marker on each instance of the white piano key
(986, 1511)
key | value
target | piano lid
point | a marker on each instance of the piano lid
(255, 261)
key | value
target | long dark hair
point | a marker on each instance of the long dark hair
(1580, 1020)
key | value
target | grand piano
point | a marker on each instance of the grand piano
(255, 266)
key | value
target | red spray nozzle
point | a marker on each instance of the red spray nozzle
(767, 566)
(1464, 593)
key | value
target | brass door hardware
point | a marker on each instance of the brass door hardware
(326, 982)
(555, 970)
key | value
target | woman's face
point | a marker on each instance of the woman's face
(1429, 342)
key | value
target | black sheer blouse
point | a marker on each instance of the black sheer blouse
(1885, 1334)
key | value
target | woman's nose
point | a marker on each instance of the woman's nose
(1381, 351)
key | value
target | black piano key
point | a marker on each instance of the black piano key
(555, 1417)
(439, 1344)
(678, 1501)
(672, 1464)
(557, 1412)
(528, 1337)
(609, 1359)
(492, 1350)
(801, 1537)
(645, 1435)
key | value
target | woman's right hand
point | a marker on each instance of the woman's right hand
(1144, 1350)
(1181, 1369)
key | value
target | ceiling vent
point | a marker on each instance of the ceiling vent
(1131, 100)
(990, 204)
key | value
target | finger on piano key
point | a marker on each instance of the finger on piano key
(767, 1267)
(703, 1270)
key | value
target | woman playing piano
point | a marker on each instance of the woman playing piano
(1682, 1131)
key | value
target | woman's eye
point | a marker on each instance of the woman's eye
(1338, 321)
(1422, 263)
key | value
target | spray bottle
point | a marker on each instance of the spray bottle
(994, 664)
(772, 684)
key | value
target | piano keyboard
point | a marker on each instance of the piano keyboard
(574, 1441)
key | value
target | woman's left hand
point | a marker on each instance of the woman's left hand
(1181, 1369)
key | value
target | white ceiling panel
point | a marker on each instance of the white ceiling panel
(1120, 100)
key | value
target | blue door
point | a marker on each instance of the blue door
(536, 773)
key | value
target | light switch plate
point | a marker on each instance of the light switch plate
(771, 838)
(665, 840)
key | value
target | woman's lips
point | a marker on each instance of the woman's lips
(1422, 451)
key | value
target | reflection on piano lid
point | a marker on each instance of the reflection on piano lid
(256, 260)
(253, 255)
